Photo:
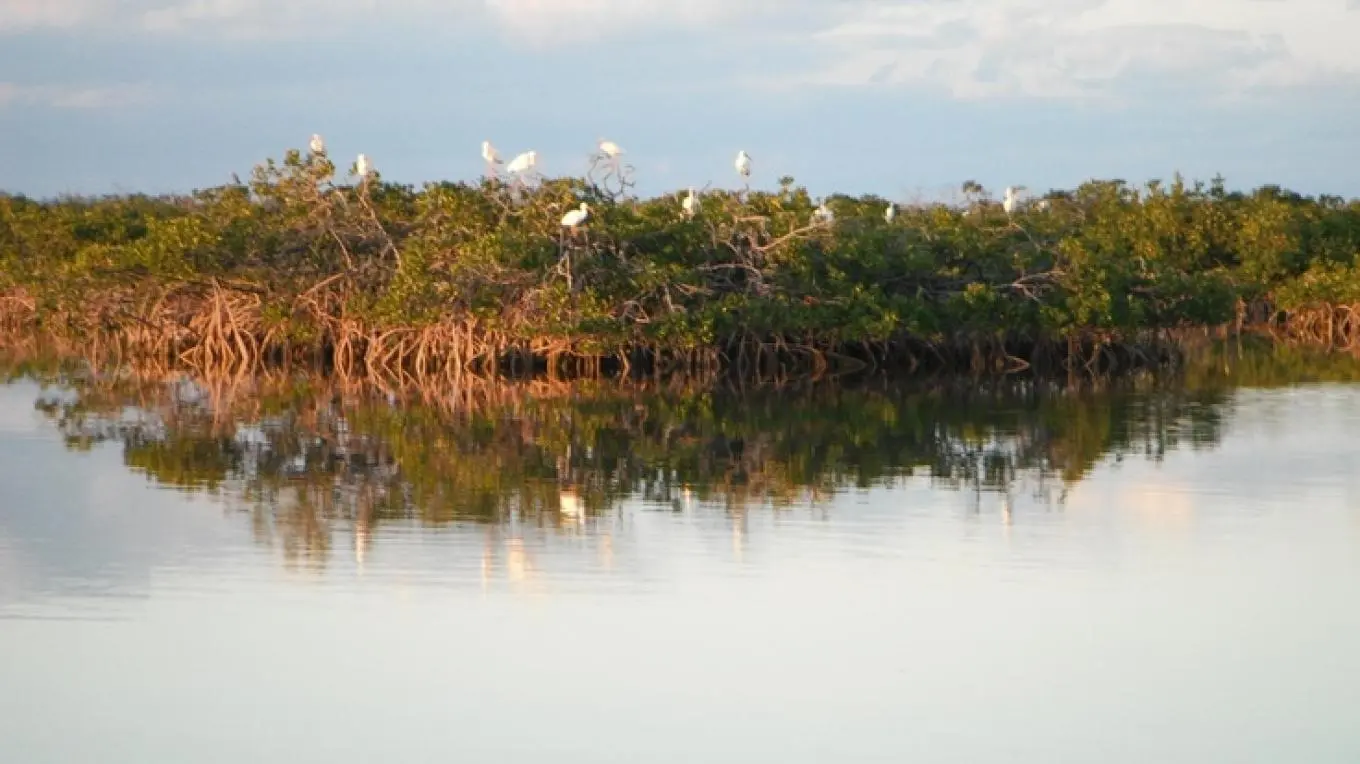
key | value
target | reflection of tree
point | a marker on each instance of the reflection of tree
(301, 455)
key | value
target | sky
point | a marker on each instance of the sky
(904, 98)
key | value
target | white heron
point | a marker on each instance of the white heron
(522, 163)
(690, 204)
(490, 154)
(743, 164)
(317, 145)
(823, 213)
(890, 213)
(576, 217)
(610, 149)
(362, 166)
(1010, 199)
(1043, 205)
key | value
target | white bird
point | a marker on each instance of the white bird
(576, 216)
(522, 163)
(490, 154)
(362, 166)
(610, 149)
(318, 146)
(690, 205)
(824, 214)
(1010, 199)
(1043, 205)
(890, 213)
(743, 164)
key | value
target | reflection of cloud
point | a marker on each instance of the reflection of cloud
(1159, 507)
(17, 415)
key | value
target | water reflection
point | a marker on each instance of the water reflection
(321, 471)
(856, 574)
(302, 461)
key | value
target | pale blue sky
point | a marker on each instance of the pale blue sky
(897, 97)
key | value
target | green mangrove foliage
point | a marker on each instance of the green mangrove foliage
(379, 279)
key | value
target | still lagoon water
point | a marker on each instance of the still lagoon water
(251, 572)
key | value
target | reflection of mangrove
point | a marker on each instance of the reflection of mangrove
(302, 454)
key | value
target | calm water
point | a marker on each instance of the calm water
(258, 574)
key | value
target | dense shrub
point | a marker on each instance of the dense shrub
(371, 275)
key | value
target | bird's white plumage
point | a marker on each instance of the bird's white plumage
(1009, 200)
(690, 204)
(317, 145)
(610, 149)
(523, 162)
(890, 213)
(490, 154)
(743, 164)
(576, 216)
(824, 214)
(363, 166)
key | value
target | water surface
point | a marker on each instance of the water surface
(217, 573)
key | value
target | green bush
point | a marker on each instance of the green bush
(317, 256)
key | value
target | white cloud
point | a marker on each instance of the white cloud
(969, 48)
(23, 15)
(1082, 48)
(76, 96)
(230, 18)
(559, 21)
(539, 21)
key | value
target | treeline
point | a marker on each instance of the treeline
(300, 266)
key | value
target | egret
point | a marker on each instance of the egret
(318, 146)
(890, 213)
(610, 149)
(522, 163)
(743, 164)
(1042, 205)
(691, 204)
(1009, 200)
(362, 166)
(490, 154)
(824, 214)
(576, 217)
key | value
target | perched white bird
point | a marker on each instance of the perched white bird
(1008, 201)
(522, 163)
(691, 204)
(490, 154)
(610, 149)
(890, 213)
(1042, 205)
(576, 216)
(743, 164)
(823, 213)
(362, 166)
(318, 146)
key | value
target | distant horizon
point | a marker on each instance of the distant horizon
(898, 98)
(938, 194)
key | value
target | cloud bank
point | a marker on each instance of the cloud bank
(970, 49)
